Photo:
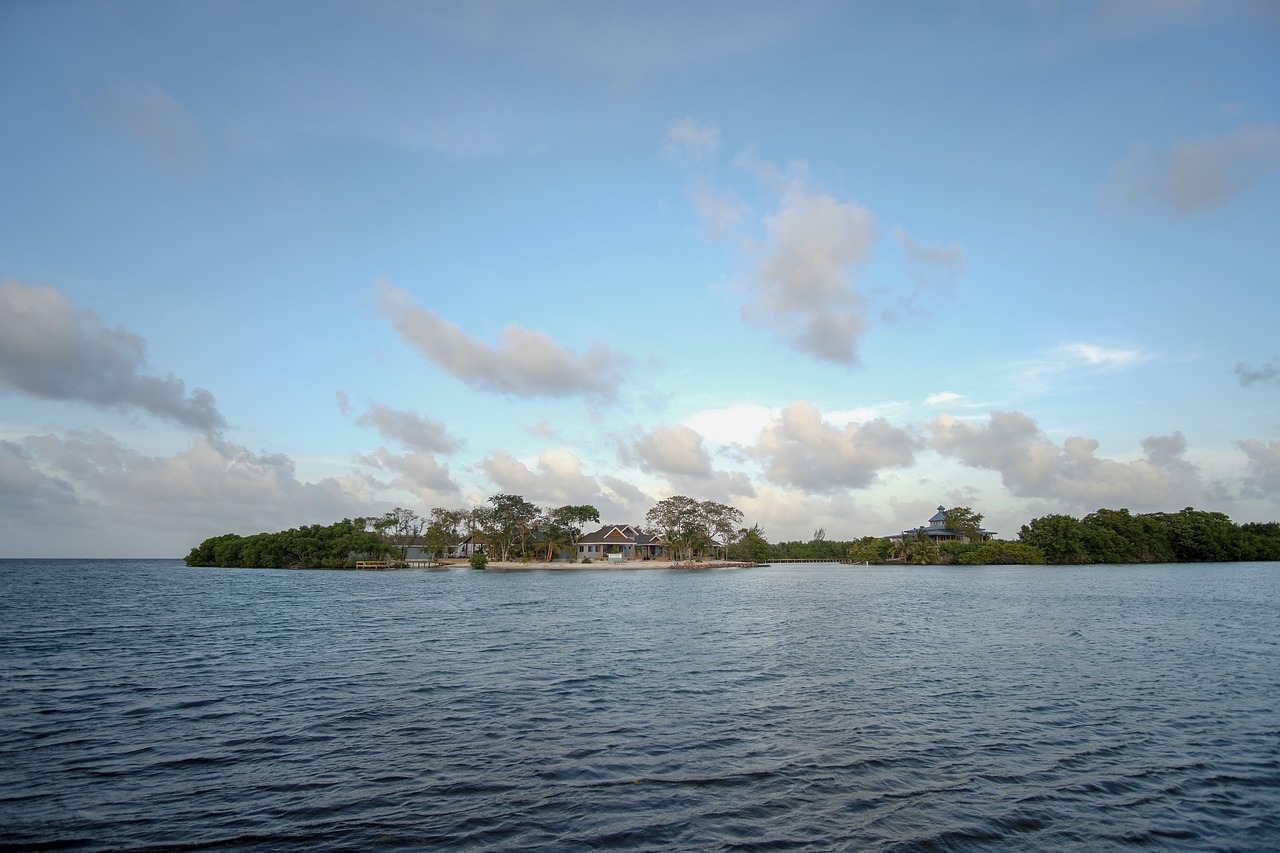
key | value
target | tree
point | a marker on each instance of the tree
(996, 552)
(917, 547)
(751, 545)
(1060, 538)
(510, 523)
(443, 531)
(870, 549)
(720, 520)
(963, 520)
(572, 519)
(400, 528)
(678, 522)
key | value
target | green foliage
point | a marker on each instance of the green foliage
(998, 552)
(479, 560)
(963, 520)
(918, 548)
(1117, 536)
(443, 531)
(400, 528)
(314, 547)
(509, 524)
(571, 519)
(751, 546)
(1260, 541)
(870, 549)
(814, 549)
(1060, 538)
(689, 527)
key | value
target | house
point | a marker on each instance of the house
(621, 540)
(471, 545)
(937, 531)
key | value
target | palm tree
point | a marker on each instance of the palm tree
(555, 538)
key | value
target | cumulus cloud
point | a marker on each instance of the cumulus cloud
(1030, 464)
(1263, 473)
(802, 449)
(1198, 174)
(524, 364)
(689, 140)
(557, 479)
(805, 260)
(50, 349)
(213, 487)
(670, 450)
(155, 118)
(420, 474)
(409, 429)
(1265, 374)
(738, 424)
(803, 288)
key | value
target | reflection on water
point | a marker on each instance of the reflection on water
(147, 705)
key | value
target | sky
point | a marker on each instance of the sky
(265, 265)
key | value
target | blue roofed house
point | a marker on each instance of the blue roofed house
(937, 531)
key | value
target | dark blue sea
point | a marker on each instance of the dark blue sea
(148, 706)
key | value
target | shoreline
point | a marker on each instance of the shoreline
(602, 565)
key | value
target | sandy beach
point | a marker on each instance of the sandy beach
(604, 565)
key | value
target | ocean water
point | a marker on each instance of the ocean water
(148, 706)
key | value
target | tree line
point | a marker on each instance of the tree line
(509, 526)
(513, 528)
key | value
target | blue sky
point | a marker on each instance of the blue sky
(835, 264)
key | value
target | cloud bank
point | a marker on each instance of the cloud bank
(50, 349)
(1031, 465)
(802, 449)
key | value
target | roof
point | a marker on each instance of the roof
(618, 533)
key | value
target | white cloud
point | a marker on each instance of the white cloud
(806, 258)
(556, 478)
(1031, 465)
(670, 450)
(524, 364)
(740, 424)
(1198, 174)
(416, 473)
(942, 398)
(803, 287)
(1105, 357)
(409, 429)
(50, 349)
(142, 505)
(804, 450)
(1263, 473)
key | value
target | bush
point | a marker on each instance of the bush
(479, 561)
(586, 559)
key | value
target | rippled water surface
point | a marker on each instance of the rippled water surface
(151, 706)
